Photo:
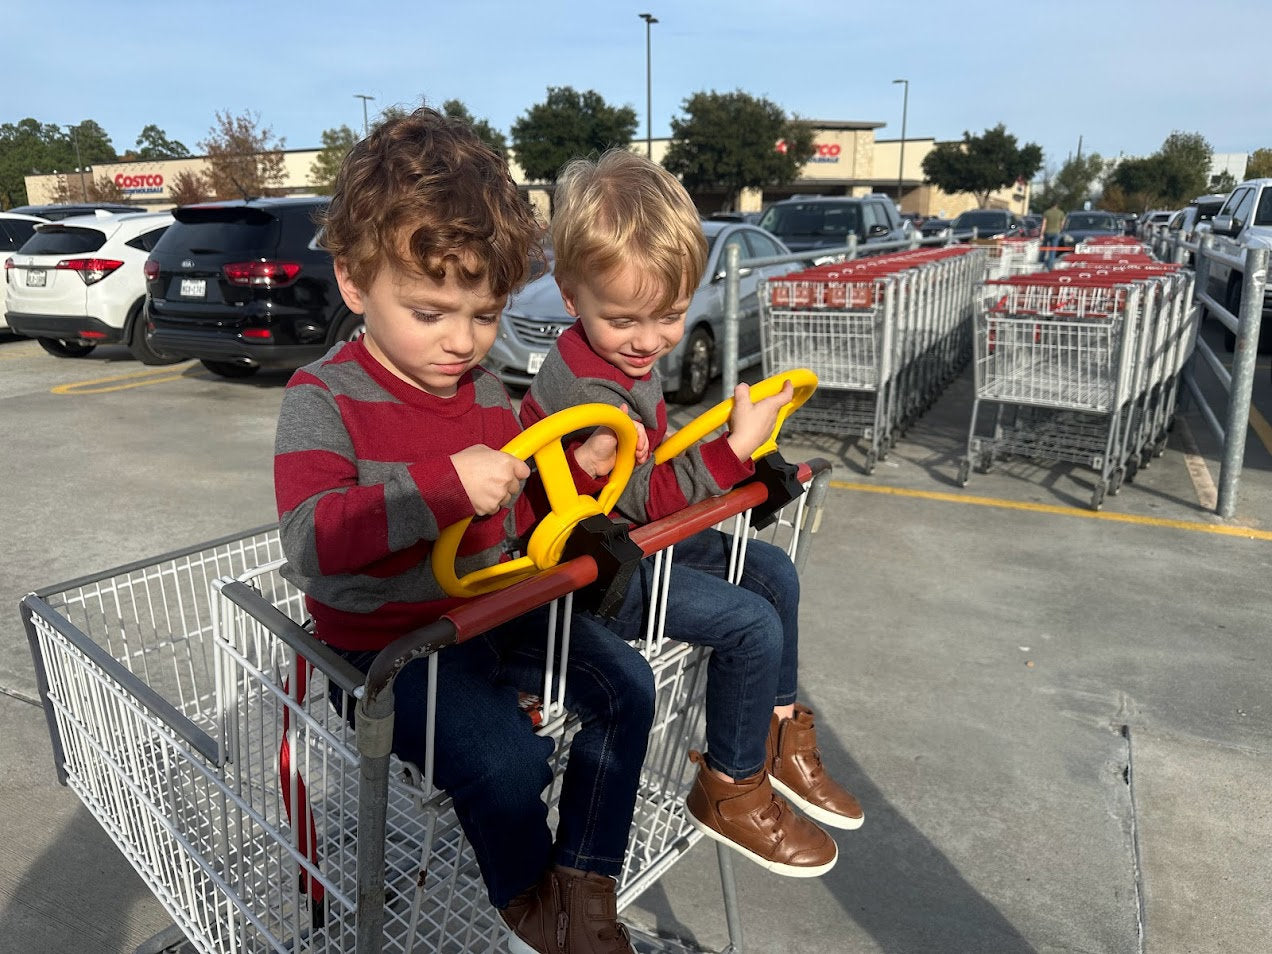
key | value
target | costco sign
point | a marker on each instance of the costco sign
(822, 151)
(141, 184)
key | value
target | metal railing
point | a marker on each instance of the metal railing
(1238, 383)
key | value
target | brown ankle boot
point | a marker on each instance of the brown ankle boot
(532, 919)
(794, 764)
(749, 817)
(587, 914)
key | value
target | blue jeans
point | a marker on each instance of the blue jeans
(753, 631)
(1050, 241)
(493, 765)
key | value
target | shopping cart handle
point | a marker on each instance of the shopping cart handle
(804, 382)
(544, 549)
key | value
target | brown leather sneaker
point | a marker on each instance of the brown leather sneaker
(749, 817)
(532, 919)
(587, 914)
(795, 767)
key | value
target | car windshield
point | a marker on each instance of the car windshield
(812, 218)
(981, 219)
(1091, 221)
(1263, 214)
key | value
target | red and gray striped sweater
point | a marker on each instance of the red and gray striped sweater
(364, 484)
(573, 373)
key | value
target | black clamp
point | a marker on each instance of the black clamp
(782, 480)
(617, 556)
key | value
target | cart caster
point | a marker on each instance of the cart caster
(1097, 496)
(1159, 448)
(986, 462)
(1116, 484)
(1132, 468)
(964, 471)
(872, 458)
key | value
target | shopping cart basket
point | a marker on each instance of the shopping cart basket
(177, 688)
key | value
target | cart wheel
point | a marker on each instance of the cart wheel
(1160, 447)
(964, 471)
(872, 458)
(569, 508)
(986, 462)
(1116, 483)
(1097, 495)
(1132, 468)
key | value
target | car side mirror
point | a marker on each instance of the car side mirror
(1225, 225)
(876, 230)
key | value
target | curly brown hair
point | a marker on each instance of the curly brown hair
(423, 193)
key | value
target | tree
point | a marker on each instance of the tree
(566, 126)
(1259, 165)
(101, 189)
(1072, 185)
(244, 160)
(28, 147)
(188, 187)
(154, 143)
(1222, 182)
(982, 164)
(1185, 164)
(735, 141)
(92, 142)
(336, 144)
(487, 133)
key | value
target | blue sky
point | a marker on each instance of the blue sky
(1121, 74)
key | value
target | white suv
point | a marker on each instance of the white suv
(78, 283)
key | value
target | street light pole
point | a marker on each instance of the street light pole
(364, 97)
(79, 165)
(905, 106)
(650, 20)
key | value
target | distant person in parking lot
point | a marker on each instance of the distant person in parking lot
(1052, 222)
(393, 436)
(629, 254)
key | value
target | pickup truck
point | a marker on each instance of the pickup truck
(1245, 221)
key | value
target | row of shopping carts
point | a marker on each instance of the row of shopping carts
(191, 711)
(1012, 256)
(1081, 364)
(885, 335)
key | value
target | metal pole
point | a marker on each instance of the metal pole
(375, 742)
(650, 20)
(905, 107)
(1243, 358)
(732, 293)
(365, 126)
(79, 165)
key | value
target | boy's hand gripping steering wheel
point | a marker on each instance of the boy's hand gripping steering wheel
(543, 442)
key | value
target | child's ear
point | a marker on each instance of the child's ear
(348, 290)
(567, 296)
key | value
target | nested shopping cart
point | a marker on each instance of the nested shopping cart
(1081, 365)
(885, 335)
(190, 708)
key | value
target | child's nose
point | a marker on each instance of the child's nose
(460, 340)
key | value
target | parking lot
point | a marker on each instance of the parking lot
(1057, 719)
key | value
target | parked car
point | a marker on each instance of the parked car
(1080, 226)
(1199, 210)
(810, 222)
(1244, 222)
(536, 316)
(989, 224)
(1149, 221)
(15, 229)
(242, 285)
(79, 282)
(55, 212)
(748, 217)
(934, 226)
(1032, 226)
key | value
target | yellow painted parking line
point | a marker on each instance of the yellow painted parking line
(1261, 427)
(120, 382)
(1229, 531)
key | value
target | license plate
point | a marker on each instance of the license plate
(534, 362)
(194, 287)
(37, 277)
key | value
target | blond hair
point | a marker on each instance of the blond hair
(621, 208)
(422, 193)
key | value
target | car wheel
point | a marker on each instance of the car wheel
(351, 328)
(231, 369)
(64, 348)
(695, 367)
(139, 340)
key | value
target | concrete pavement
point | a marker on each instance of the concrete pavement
(1058, 721)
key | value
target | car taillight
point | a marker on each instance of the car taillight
(90, 270)
(8, 266)
(151, 269)
(261, 274)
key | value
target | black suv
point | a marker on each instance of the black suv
(808, 222)
(243, 285)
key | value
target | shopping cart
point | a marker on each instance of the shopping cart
(885, 335)
(1081, 365)
(189, 707)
